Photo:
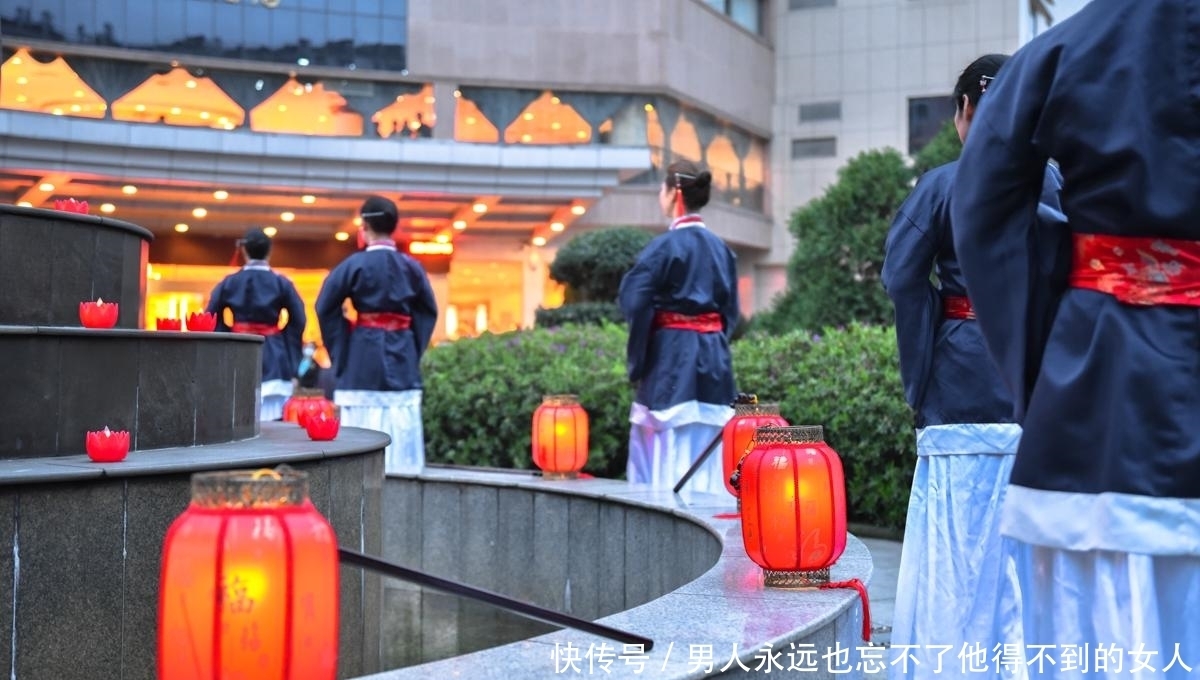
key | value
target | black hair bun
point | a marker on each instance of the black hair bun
(703, 179)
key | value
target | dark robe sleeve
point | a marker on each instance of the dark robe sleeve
(731, 312)
(216, 305)
(995, 220)
(424, 311)
(293, 332)
(335, 329)
(912, 246)
(636, 298)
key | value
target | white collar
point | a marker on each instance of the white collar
(381, 246)
(689, 220)
(257, 265)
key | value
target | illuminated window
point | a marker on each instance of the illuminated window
(27, 84)
(548, 120)
(306, 109)
(179, 98)
(408, 114)
(471, 125)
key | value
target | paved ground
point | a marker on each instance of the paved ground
(886, 556)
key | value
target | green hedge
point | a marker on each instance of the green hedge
(480, 395)
(597, 313)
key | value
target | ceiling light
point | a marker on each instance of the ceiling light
(270, 231)
(22, 80)
(555, 100)
(190, 84)
(578, 210)
(526, 138)
(220, 194)
(181, 227)
(22, 98)
(199, 213)
(140, 108)
(539, 241)
(557, 226)
(308, 199)
(78, 94)
(175, 110)
(287, 216)
(57, 112)
(480, 208)
(205, 115)
(342, 236)
(460, 224)
(107, 208)
(25, 204)
(457, 94)
(46, 186)
(129, 190)
(528, 116)
(442, 238)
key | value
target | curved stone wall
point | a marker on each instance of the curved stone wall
(167, 389)
(51, 260)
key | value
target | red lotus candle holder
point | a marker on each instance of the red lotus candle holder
(168, 324)
(98, 314)
(107, 446)
(202, 321)
(71, 205)
(321, 427)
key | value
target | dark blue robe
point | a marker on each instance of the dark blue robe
(378, 279)
(948, 375)
(1111, 391)
(690, 271)
(256, 295)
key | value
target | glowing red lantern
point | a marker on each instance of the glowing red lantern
(321, 427)
(71, 205)
(560, 436)
(168, 324)
(793, 505)
(98, 314)
(202, 321)
(107, 446)
(736, 438)
(306, 402)
(249, 585)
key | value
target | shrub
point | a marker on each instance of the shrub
(595, 313)
(592, 264)
(943, 148)
(833, 275)
(480, 395)
(849, 382)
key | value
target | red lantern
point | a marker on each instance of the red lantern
(168, 324)
(202, 321)
(305, 402)
(738, 434)
(107, 446)
(321, 427)
(98, 314)
(249, 585)
(71, 205)
(560, 436)
(793, 505)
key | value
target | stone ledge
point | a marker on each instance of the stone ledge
(726, 606)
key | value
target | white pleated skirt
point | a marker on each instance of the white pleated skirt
(1107, 614)
(275, 394)
(664, 444)
(953, 592)
(396, 414)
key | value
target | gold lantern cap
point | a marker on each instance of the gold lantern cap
(792, 434)
(560, 399)
(755, 409)
(246, 489)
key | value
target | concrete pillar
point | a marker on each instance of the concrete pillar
(445, 107)
(441, 292)
(534, 280)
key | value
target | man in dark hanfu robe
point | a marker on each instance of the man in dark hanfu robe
(256, 296)
(377, 358)
(1102, 352)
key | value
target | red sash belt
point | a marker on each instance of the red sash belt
(384, 321)
(1138, 270)
(255, 328)
(708, 322)
(957, 307)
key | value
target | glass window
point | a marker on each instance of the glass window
(926, 116)
(746, 14)
(814, 147)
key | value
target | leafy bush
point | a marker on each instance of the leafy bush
(849, 382)
(833, 275)
(943, 148)
(592, 264)
(596, 313)
(480, 395)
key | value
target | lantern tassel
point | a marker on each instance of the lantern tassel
(862, 594)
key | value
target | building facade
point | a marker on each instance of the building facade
(500, 127)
